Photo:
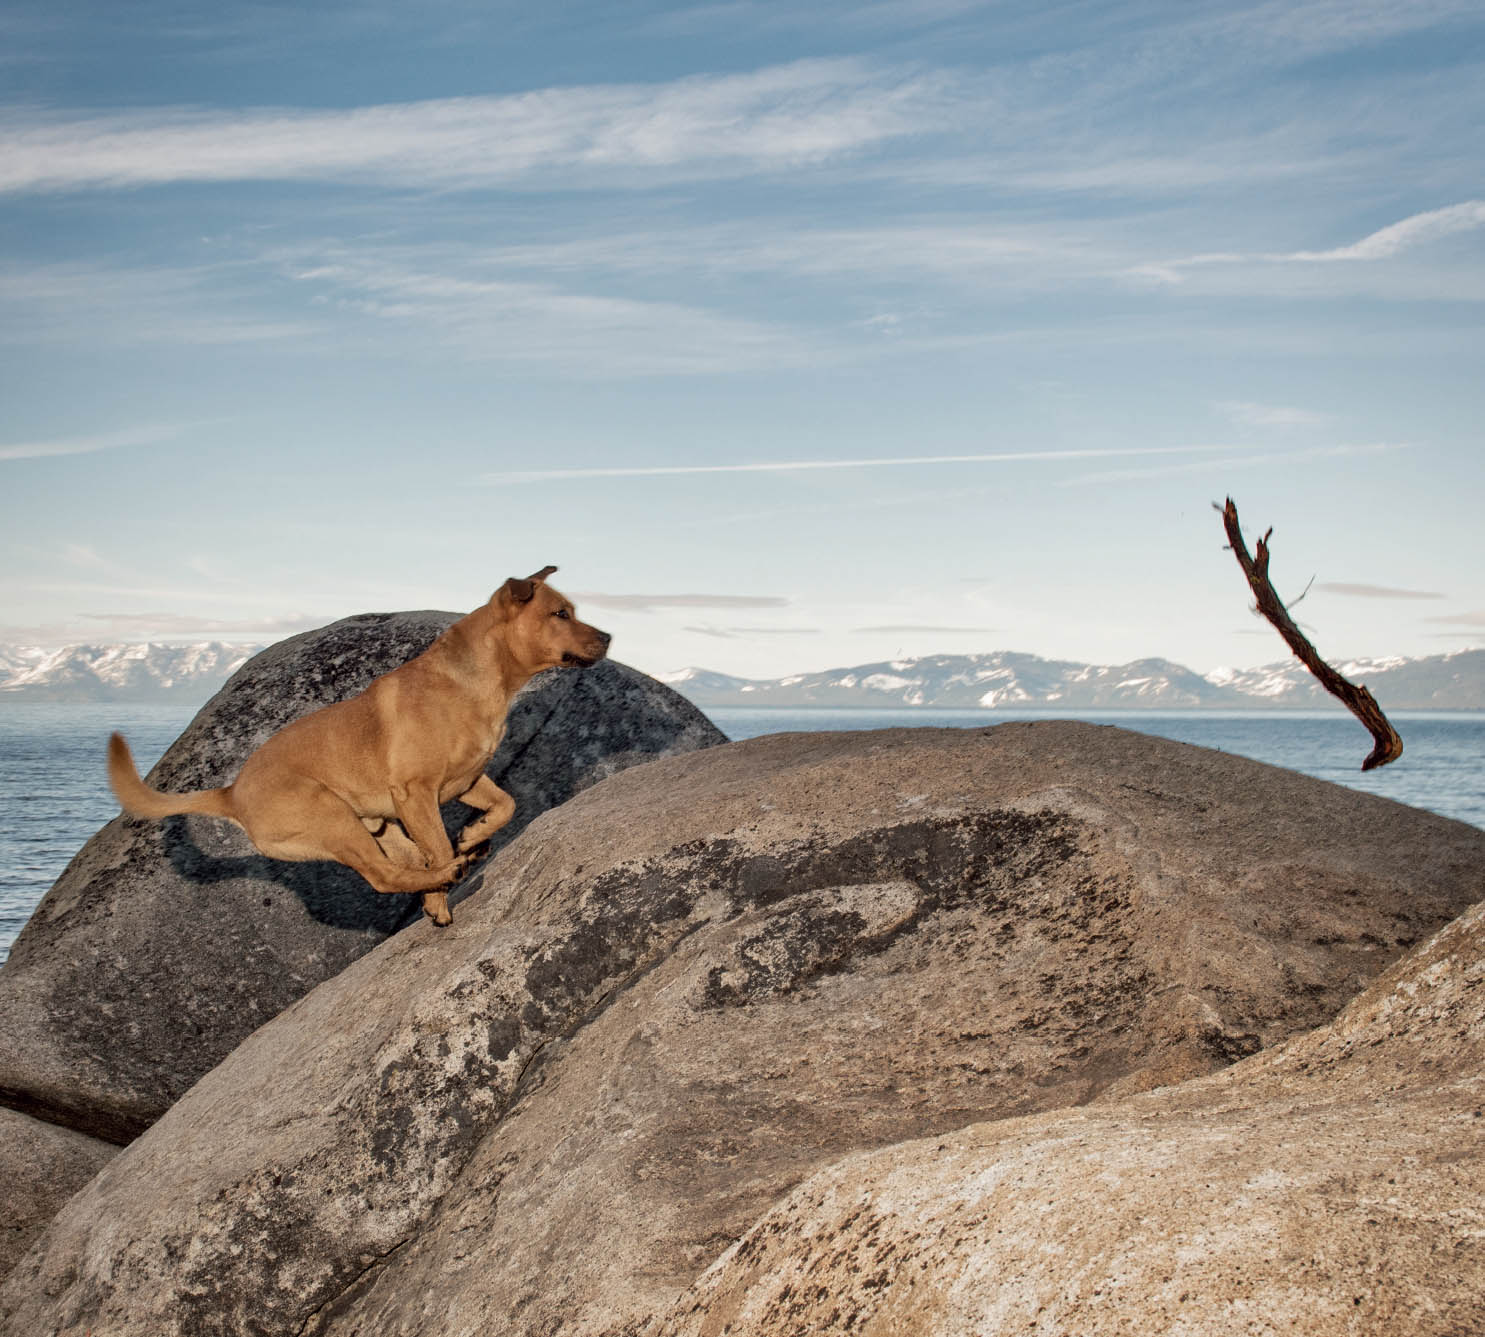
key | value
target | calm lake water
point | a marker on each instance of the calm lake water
(53, 794)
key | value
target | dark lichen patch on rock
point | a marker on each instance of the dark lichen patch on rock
(789, 951)
(952, 862)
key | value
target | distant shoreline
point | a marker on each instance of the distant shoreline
(1311, 709)
(1081, 712)
(1004, 683)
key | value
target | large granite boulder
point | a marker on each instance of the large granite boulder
(1331, 1187)
(697, 983)
(164, 944)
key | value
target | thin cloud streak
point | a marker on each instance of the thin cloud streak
(134, 625)
(1383, 244)
(648, 603)
(949, 248)
(134, 628)
(87, 445)
(97, 301)
(913, 626)
(736, 633)
(780, 117)
(1271, 415)
(1363, 591)
(1242, 457)
(124, 592)
(795, 466)
(588, 334)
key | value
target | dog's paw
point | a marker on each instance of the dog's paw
(467, 858)
(436, 907)
(473, 847)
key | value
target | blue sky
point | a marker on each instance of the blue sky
(795, 336)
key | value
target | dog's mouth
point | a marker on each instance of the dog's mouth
(572, 660)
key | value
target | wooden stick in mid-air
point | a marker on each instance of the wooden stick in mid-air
(1358, 700)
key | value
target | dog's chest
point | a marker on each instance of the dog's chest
(472, 754)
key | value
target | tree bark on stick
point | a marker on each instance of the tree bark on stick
(1357, 700)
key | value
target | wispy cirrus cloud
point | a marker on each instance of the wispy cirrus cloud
(649, 603)
(937, 630)
(111, 628)
(780, 117)
(1383, 244)
(172, 624)
(96, 301)
(753, 16)
(1363, 591)
(1271, 415)
(445, 301)
(1471, 619)
(149, 435)
(737, 633)
(948, 247)
(485, 317)
(1235, 457)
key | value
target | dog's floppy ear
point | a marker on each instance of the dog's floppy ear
(515, 591)
(518, 591)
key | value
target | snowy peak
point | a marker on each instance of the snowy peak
(1006, 680)
(1002, 680)
(148, 671)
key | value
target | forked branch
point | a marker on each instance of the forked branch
(1358, 700)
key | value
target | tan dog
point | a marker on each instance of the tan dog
(419, 736)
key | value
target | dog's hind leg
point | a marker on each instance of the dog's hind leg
(310, 821)
(394, 842)
(499, 807)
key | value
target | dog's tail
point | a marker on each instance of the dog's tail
(139, 800)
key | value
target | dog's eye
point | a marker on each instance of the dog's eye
(562, 613)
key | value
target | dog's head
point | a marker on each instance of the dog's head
(541, 626)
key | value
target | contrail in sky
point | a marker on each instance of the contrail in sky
(791, 466)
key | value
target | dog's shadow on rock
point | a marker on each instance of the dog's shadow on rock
(330, 892)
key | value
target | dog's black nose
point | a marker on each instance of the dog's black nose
(604, 637)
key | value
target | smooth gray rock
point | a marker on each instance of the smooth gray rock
(41, 1166)
(164, 944)
(1330, 1187)
(695, 984)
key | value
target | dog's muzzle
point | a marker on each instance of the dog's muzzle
(601, 641)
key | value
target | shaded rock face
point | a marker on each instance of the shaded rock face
(164, 944)
(1330, 1186)
(41, 1166)
(692, 986)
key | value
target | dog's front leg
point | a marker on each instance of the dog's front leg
(417, 810)
(498, 808)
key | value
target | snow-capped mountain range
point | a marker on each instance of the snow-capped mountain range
(145, 672)
(1006, 680)
(1003, 680)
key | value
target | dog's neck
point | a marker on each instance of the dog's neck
(483, 663)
